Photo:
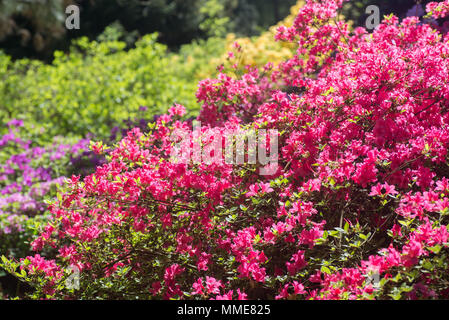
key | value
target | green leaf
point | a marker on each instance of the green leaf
(436, 249)
(405, 288)
(340, 230)
(427, 265)
(362, 236)
(395, 296)
(325, 270)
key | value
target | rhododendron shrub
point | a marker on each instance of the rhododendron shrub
(357, 209)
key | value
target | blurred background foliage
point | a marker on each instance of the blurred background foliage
(97, 83)
(93, 88)
(35, 28)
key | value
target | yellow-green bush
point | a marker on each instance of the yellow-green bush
(96, 86)
(202, 57)
(258, 51)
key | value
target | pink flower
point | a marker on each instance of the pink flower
(172, 272)
(198, 287)
(226, 296)
(177, 110)
(438, 9)
(265, 187)
(396, 230)
(316, 277)
(241, 295)
(283, 294)
(155, 288)
(203, 261)
(253, 190)
(298, 263)
(213, 285)
(442, 185)
(388, 190)
(298, 288)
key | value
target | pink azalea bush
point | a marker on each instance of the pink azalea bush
(357, 209)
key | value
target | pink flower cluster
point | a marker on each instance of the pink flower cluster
(438, 9)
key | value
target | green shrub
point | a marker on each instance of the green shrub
(96, 86)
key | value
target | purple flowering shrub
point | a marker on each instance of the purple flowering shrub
(30, 173)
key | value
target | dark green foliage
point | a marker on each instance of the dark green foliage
(35, 28)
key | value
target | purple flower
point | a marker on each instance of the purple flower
(56, 156)
(37, 152)
(6, 138)
(15, 123)
(416, 11)
(80, 146)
